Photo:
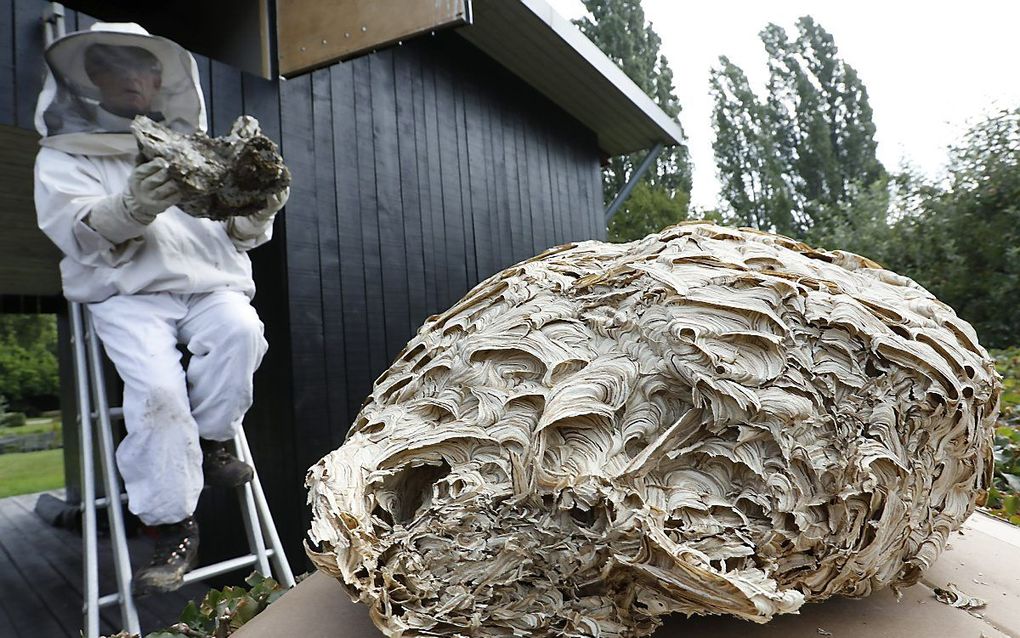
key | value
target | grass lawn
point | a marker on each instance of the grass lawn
(29, 472)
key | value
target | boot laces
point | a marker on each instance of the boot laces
(219, 456)
(172, 544)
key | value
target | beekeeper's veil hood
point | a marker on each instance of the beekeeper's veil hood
(70, 115)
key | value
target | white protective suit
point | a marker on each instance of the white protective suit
(178, 279)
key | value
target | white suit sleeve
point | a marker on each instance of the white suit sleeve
(67, 187)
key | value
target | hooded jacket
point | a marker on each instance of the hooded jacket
(88, 154)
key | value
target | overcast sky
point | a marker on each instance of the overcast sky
(930, 68)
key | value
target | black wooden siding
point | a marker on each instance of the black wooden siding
(418, 171)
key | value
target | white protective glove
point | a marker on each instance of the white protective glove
(123, 216)
(245, 229)
(273, 205)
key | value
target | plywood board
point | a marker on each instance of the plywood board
(313, 33)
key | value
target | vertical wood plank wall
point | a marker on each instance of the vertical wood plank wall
(418, 171)
(427, 168)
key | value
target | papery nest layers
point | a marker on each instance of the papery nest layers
(705, 421)
(219, 177)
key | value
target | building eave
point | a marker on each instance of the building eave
(534, 42)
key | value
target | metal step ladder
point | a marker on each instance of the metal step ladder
(95, 418)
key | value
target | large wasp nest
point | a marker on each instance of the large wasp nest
(218, 177)
(706, 421)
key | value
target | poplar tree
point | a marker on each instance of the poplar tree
(620, 29)
(814, 131)
(750, 169)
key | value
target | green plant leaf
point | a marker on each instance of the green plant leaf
(255, 579)
(190, 615)
(246, 609)
(209, 603)
(221, 612)
(1011, 504)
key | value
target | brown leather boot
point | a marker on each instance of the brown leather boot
(176, 552)
(221, 468)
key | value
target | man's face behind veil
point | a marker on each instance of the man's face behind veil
(128, 78)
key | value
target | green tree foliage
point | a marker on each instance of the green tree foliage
(619, 28)
(28, 358)
(796, 160)
(961, 239)
(979, 219)
(865, 225)
(958, 237)
(647, 210)
(753, 181)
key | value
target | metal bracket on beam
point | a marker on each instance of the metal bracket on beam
(646, 163)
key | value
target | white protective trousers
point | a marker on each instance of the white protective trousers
(167, 409)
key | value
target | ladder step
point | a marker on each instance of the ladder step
(223, 567)
(198, 574)
(105, 601)
(102, 501)
(115, 413)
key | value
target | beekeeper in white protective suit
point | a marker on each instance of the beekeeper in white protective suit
(152, 275)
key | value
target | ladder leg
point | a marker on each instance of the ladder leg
(90, 560)
(121, 559)
(283, 573)
(253, 530)
(250, 516)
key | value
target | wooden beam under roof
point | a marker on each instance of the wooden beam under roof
(314, 33)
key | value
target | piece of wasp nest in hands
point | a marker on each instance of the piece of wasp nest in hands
(705, 421)
(219, 177)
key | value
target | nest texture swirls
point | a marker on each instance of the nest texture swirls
(219, 177)
(705, 421)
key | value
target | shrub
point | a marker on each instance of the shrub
(221, 613)
(28, 359)
(1004, 496)
(13, 420)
